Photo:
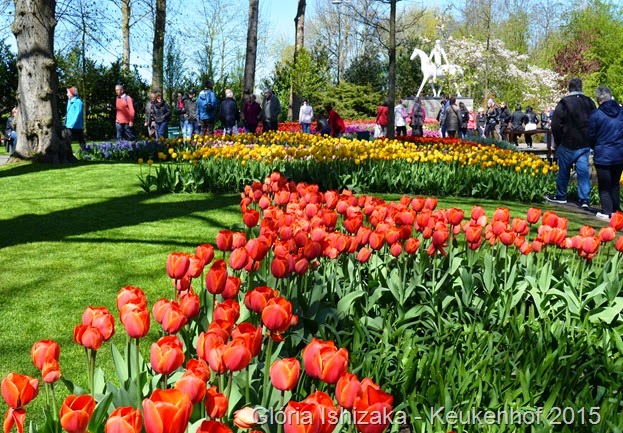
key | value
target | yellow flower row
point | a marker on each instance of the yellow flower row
(280, 145)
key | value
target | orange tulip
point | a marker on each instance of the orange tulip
(284, 373)
(43, 351)
(550, 219)
(607, 234)
(478, 216)
(76, 413)
(590, 245)
(586, 231)
(210, 426)
(364, 255)
(347, 389)
(502, 214)
(455, 216)
(315, 414)
(124, 420)
(324, 361)
(251, 335)
(190, 305)
(216, 403)
(216, 277)
(238, 258)
(215, 359)
(520, 226)
(130, 295)
(228, 310)
(177, 265)
(18, 390)
(279, 267)
(257, 248)
(136, 320)
(167, 411)
(88, 336)
(100, 318)
(206, 342)
(619, 244)
(533, 215)
(195, 268)
(167, 355)
(232, 288)
(246, 418)
(396, 249)
(193, 385)
(430, 203)
(373, 408)
(238, 240)
(616, 220)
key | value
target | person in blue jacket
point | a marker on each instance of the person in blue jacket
(74, 122)
(207, 106)
(605, 133)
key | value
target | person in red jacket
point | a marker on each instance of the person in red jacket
(335, 122)
(382, 114)
(124, 121)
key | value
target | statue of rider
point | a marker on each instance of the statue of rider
(438, 57)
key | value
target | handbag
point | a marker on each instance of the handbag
(530, 126)
(378, 131)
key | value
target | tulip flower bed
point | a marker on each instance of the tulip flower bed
(416, 166)
(445, 312)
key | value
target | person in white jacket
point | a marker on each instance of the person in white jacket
(306, 114)
(400, 118)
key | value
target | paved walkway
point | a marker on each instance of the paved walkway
(3, 159)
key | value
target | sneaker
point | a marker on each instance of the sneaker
(583, 204)
(602, 216)
(556, 199)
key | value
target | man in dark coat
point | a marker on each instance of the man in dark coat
(570, 128)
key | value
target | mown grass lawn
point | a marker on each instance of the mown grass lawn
(72, 236)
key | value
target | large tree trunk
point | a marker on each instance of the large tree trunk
(299, 23)
(391, 121)
(157, 78)
(250, 60)
(125, 33)
(38, 123)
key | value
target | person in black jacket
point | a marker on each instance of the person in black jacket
(161, 115)
(570, 127)
(516, 121)
(605, 133)
(531, 118)
(505, 117)
(492, 119)
(229, 114)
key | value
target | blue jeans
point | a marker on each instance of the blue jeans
(189, 129)
(162, 129)
(124, 131)
(11, 142)
(306, 127)
(566, 158)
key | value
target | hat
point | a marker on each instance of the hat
(490, 102)
(72, 91)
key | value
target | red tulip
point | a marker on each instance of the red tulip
(135, 318)
(76, 413)
(277, 315)
(619, 244)
(210, 426)
(193, 385)
(550, 219)
(124, 420)
(284, 373)
(195, 267)
(130, 295)
(520, 226)
(228, 310)
(324, 361)
(177, 265)
(251, 335)
(206, 342)
(377, 240)
(167, 355)
(455, 216)
(316, 414)
(347, 389)
(250, 218)
(412, 245)
(238, 240)
(100, 318)
(607, 234)
(430, 203)
(18, 390)
(238, 258)
(533, 215)
(190, 305)
(396, 249)
(257, 248)
(590, 245)
(216, 403)
(364, 255)
(236, 355)
(215, 359)
(88, 336)
(167, 411)
(169, 314)
(374, 407)
(205, 252)
(224, 240)
(279, 267)
(478, 216)
(216, 277)
(232, 288)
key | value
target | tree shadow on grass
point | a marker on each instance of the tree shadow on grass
(110, 214)
(28, 167)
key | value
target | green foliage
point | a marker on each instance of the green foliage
(8, 79)
(352, 101)
(367, 70)
(96, 86)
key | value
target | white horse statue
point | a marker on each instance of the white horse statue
(433, 72)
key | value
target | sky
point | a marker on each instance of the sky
(282, 13)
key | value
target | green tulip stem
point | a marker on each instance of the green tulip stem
(47, 396)
(229, 386)
(351, 425)
(137, 372)
(281, 402)
(247, 388)
(175, 288)
(165, 380)
(54, 408)
(91, 366)
(265, 391)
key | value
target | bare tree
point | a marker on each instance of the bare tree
(38, 123)
(251, 52)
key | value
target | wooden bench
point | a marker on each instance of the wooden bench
(551, 153)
